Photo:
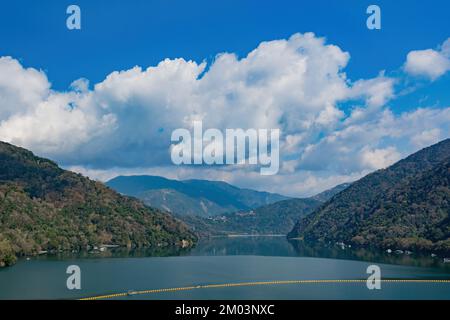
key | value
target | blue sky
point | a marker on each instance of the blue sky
(119, 35)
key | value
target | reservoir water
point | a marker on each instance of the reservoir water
(229, 261)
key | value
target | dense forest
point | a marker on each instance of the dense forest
(43, 207)
(192, 197)
(405, 206)
(276, 218)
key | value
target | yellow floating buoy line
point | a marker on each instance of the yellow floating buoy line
(261, 283)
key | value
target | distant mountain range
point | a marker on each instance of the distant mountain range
(406, 206)
(43, 207)
(192, 197)
(46, 208)
(276, 218)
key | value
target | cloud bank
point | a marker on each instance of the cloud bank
(429, 63)
(123, 124)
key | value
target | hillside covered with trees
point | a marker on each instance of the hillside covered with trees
(192, 197)
(43, 207)
(406, 206)
(276, 218)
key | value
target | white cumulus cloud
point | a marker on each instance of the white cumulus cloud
(429, 63)
(123, 124)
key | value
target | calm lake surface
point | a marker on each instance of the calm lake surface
(227, 260)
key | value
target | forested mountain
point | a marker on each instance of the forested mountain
(276, 218)
(192, 197)
(405, 206)
(328, 194)
(43, 207)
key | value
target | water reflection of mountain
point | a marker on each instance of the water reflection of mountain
(263, 246)
(370, 255)
(245, 245)
(118, 253)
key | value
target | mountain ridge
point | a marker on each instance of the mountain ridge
(406, 206)
(43, 207)
(276, 218)
(193, 196)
